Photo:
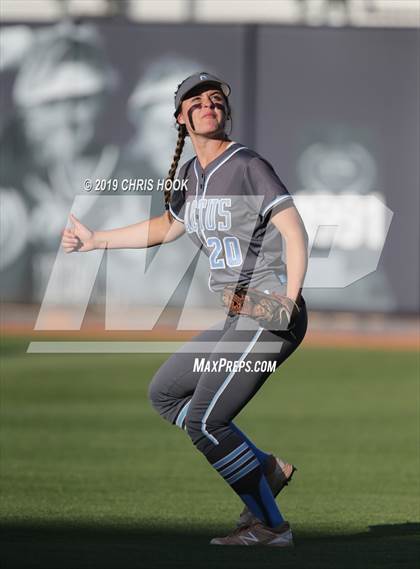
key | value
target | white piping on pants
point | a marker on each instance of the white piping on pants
(223, 387)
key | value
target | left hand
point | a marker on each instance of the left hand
(271, 310)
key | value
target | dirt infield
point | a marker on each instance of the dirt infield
(373, 331)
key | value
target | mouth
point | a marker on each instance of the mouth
(212, 115)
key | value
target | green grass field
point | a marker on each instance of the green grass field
(92, 477)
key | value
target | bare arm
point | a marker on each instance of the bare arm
(290, 225)
(136, 236)
(140, 235)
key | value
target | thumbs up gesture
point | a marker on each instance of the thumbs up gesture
(78, 237)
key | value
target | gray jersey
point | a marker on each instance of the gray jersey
(226, 208)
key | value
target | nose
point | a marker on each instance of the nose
(207, 102)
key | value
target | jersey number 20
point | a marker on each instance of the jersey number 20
(231, 252)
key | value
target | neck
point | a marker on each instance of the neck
(208, 149)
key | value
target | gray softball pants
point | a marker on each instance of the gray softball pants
(205, 402)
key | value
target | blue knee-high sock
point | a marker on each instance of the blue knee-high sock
(241, 464)
(261, 505)
(237, 463)
(260, 454)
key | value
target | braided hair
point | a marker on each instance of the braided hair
(182, 133)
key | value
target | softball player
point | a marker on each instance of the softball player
(235, 208)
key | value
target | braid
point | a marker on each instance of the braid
(182, 133)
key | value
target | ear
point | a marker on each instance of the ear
(180, 118)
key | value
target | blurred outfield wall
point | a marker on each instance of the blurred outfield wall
(334, 110)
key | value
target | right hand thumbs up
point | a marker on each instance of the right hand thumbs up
(78, 237)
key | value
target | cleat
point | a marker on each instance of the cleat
(258, 534)
(278, 474)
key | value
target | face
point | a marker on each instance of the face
(204, 112)
(61, 129)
